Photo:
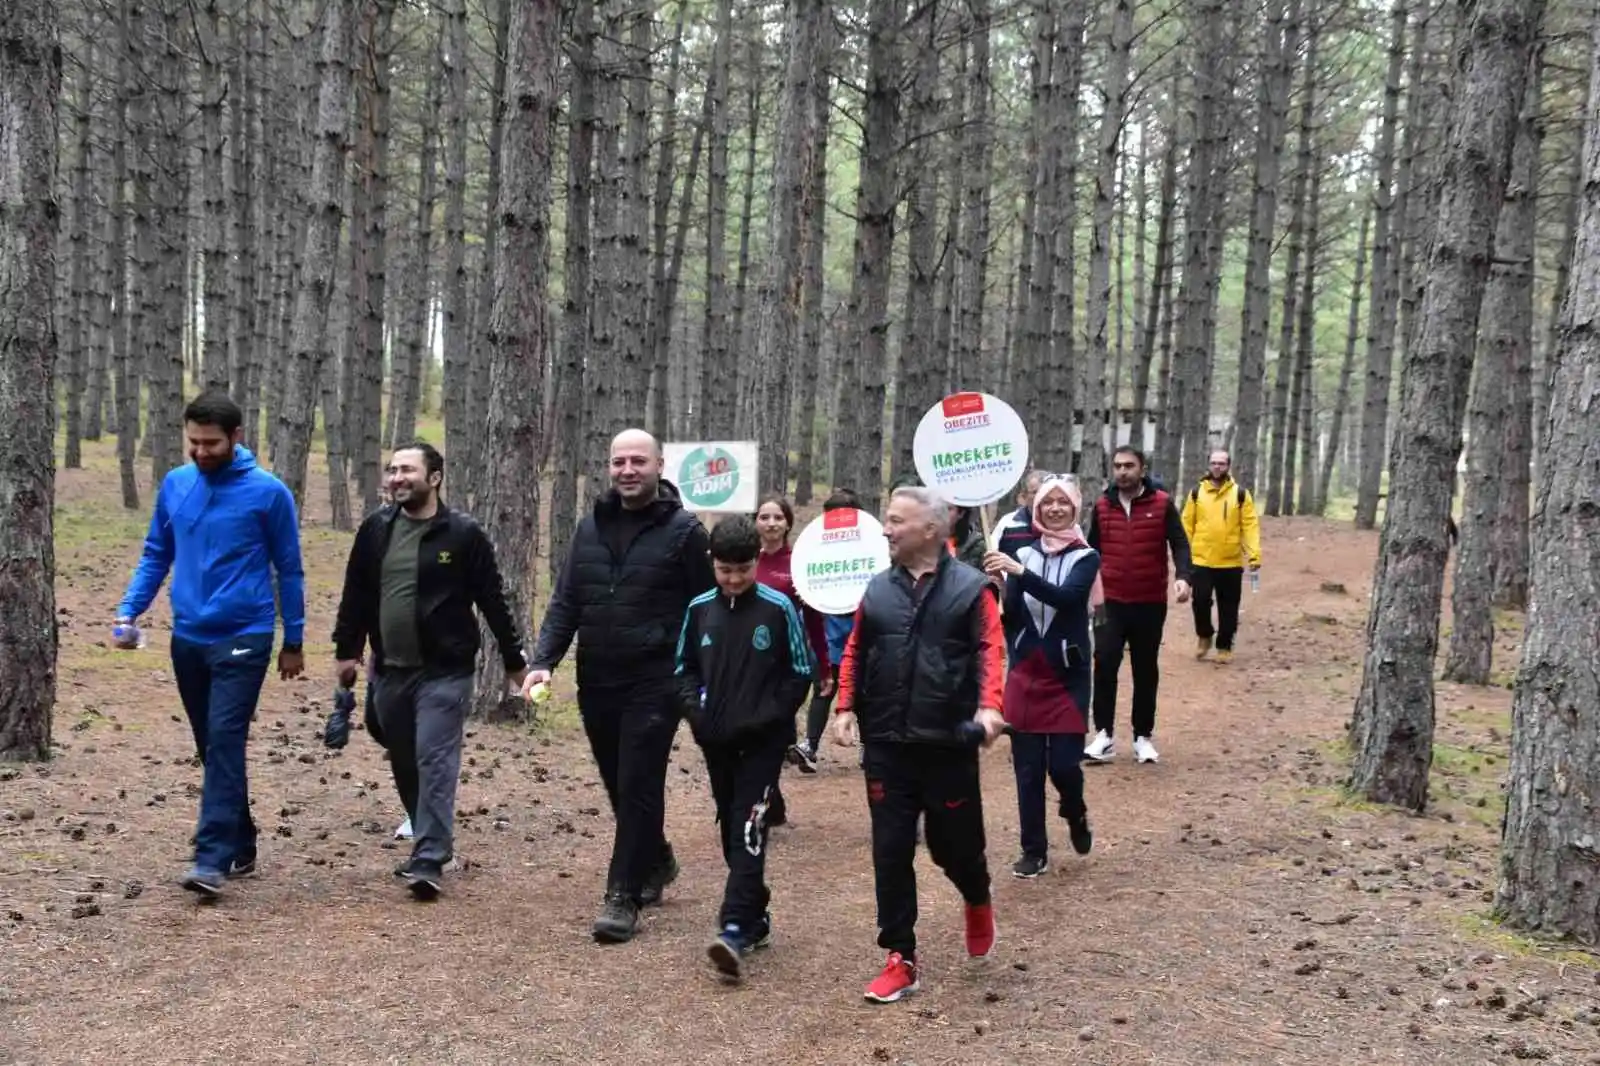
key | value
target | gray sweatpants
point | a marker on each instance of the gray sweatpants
(423, 716)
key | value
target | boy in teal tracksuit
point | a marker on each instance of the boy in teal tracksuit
(743, 668)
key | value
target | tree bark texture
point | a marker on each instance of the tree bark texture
(324, 217)
(519, 325)
(1505, 341)
(1394, 713)
(765, 394)
(30, 91)
(1550, 848)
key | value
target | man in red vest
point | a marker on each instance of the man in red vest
(1133, 526)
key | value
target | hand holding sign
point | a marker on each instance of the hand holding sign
(971, 448)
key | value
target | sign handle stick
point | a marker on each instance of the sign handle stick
(983, 516)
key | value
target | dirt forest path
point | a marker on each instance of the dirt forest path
(1236, 908)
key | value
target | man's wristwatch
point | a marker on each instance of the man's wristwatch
(295, 648)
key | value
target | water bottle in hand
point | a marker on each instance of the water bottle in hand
(1255, 581)
(127, 636)
(336, 734)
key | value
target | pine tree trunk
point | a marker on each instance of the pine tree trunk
(1393, 720)
(1549, 845)
(713, 400)
(1058, 417)
(1092, 461)
(603, 412)
(574, 347)
(30, 91)
(741, 283)
(214, 362)
(416, 298)
(977, 164)
(246, 155)
(519, 326)
(1505, 340)
(811, 323)
(1302, 426)
(126, 359)
(1160, 288)
(1279, 46)
(1206, 179)
(366, 446)
(100, 413)
(1278, 501)
(1341, 401)
(1539, 386)
(864, 390)
(457, 354)
(1033, 370)
(917, 385)
(478, 385)
(76, 331)
(171, 201)
(658, 347)
(1510, 537)
(1386, 237)
(324, 217)
(765, 395)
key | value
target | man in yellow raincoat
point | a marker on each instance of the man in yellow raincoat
(1225, 536)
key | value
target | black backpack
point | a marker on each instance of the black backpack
(1194, 494)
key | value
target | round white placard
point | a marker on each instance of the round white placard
(971, 448)
(835, 557)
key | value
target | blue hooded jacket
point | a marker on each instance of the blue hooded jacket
(222, 535)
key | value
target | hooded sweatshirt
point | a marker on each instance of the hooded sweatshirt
(222, 536)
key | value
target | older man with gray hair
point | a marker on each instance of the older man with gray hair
(923, 664)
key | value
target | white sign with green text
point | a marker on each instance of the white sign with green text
(971, 448)
(714, 477)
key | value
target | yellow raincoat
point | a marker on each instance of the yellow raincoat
(1224, 532)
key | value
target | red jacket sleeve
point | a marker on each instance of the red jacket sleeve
(991, 642)
(846, 698)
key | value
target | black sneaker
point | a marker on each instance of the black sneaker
(618, 920)
(665, 872)
(1078, 831)
(425, 882)
(402, 869)
(1030, 866)
(242, 867)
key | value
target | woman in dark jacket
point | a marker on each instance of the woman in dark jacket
(1049, 587)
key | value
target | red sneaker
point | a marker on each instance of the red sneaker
(980, 930)
(898, 980)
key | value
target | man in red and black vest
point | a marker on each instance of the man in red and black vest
(1133, 526)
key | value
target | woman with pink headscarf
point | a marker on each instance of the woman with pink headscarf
(1050, 589)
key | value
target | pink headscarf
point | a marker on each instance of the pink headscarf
(1055, 542)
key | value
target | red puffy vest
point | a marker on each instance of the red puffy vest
(1133, 547)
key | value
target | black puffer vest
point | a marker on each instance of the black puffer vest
(630, 608)
(917, 667)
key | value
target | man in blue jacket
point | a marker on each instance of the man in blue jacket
(222, 526)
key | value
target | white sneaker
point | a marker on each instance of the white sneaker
(1144, 751)
(1101, 749)
(404, 832)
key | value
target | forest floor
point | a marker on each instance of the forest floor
(1238, 907)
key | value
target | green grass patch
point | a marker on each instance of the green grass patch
(1486, 929)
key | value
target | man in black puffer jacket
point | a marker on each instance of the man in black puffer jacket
(634, 565)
